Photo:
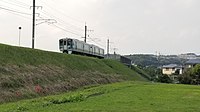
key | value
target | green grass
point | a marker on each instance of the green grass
(141, 72)
(24, 56)
(118, 97)
(22, 69)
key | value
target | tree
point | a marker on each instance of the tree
(196, 70)
(186, 77)
(196, 74)
(190, 76)
(164, 79)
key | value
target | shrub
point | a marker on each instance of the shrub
(73, 98)
(164, 79)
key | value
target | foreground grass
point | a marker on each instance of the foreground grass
(126, 96)
(24, 69)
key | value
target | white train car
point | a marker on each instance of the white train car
(74, 46)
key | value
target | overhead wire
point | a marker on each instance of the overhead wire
(63, 22)
(15, 11)
(19, 13)
(70, 17)
(96, 42)
(21, 3)
(14, 4)
(65, 29)
(63, 14)
(61, 28)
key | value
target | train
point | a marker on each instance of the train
(75, 46)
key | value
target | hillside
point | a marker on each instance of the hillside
(28, 73)
(153, 60)
(129, 96)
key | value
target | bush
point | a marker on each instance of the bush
(164, 79)
(185, 79)
(190, 76)
(73, 98)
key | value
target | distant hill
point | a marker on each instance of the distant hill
(153, 60)
(28, 73)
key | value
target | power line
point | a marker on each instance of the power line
(15, 11)
(22, 6)
(21, 3)
(17, 14)
(58, 19)
(96, 42)
(55, 21)
(58, 26)
(62, 13)
(65, 30)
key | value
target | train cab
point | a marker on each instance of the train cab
(66, 45)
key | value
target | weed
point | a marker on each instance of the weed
(72, 98)
(38, 89)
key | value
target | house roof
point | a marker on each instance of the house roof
(172, 66)
(193, 61)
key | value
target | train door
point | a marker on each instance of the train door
(69, 46)
(65, 45)
(91, 49)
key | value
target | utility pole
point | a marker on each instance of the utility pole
(108, 47)
(19, 34)
(33, 30)
(85, 33)
(115, 54)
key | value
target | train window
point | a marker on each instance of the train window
(75, 45)
(69, 43)
(61, 42)
(65, 43)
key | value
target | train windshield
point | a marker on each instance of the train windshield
(61, 43)
(69, 43)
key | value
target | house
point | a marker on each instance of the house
(172, 69)
(191, 63)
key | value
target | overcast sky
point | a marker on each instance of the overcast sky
(133, 26)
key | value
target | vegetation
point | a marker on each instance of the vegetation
(140, 71)
(118, 97)
(164, 79)
(191, 76)
(27, 73)
(151, 73)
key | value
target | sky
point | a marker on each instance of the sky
(132, 26)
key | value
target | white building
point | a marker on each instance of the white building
(172, 69)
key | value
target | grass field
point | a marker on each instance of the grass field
(24, 69)
(118, 97)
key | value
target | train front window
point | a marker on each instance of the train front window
(69, 43)
(61, 42)
(65, 43)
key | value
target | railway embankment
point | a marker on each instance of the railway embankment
(29, 73)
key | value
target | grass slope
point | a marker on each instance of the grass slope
(118, 97)
(141, 72)
(28, 73)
